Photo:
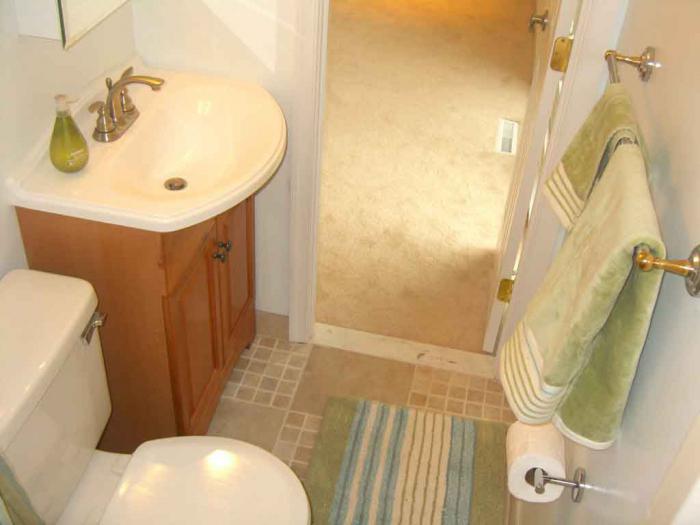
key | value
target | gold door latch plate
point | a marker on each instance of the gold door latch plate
(505, 290)
(561, 53)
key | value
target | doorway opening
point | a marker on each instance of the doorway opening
(421, 99)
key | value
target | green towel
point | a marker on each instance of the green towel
(611, 121)
(574, 354)
(14, 502)
(4, 514)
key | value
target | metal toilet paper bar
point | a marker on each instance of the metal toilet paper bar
(538, 478)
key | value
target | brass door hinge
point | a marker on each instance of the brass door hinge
(561, 53)
(505, 290)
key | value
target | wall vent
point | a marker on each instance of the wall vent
(507, 139)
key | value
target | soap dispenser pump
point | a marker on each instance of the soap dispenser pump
(68, 149)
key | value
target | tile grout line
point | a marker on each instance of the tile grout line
(434, 389)
(431, 389)
(250, 354)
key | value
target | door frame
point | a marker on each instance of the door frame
(305, 141)
(305, 146)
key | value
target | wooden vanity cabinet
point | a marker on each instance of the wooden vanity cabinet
(180, 309)
(237, 282)
(192, 324)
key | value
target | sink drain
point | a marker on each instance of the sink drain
(175, 184)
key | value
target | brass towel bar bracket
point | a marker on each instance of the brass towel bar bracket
(645, 63)
(688, 268)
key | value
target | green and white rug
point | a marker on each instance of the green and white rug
(375, 463)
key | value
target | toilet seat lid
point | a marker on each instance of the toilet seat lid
(206, 480)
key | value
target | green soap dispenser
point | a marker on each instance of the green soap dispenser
(68, 150)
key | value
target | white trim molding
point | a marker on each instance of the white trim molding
(406, 351)
(305, 152)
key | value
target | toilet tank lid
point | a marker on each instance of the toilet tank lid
(41, 318)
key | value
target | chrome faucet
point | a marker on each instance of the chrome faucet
(118, 113)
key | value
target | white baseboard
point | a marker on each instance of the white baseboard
(404, 350)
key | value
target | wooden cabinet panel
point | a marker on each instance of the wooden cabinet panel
(181, 248)
(177, 319)
(124, 266)
(193, 337)
(237, 279)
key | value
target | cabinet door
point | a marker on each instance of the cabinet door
(193, 328)
(237, 279)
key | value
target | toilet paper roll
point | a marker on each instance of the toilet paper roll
(529, 447)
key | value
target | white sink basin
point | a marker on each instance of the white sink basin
(224, 137)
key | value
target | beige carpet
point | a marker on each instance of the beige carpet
(413, 194)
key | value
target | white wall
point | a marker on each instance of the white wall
(255, 41)
(33, 71)
(664, 403)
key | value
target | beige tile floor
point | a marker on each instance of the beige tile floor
(277, 392)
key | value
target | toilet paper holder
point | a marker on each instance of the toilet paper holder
(538, 478)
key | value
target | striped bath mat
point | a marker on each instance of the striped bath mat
(375, 463)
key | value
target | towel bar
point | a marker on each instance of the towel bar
(645, 63)
(688, 268)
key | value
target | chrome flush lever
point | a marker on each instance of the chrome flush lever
(97, 320)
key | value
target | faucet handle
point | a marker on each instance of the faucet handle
(104, 124)
(125, 101)
(97, 107)
(127, 105)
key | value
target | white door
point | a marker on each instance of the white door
(532, 234)
(544, 99)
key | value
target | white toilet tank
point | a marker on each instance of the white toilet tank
(54, 402)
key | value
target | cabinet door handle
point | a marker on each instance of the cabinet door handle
(225, 245)
(220, 256)
(541, 20)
